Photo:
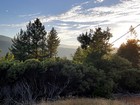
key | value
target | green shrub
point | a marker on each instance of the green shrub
(130, 81)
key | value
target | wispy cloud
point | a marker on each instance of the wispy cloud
(14, 25)
(29, 15)
(82, 17)
(98, 1)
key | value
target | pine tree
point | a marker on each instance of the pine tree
(52, 43)
(37, 34)
(97, 43)
(30, 43)
(100, 41)
(19, 46)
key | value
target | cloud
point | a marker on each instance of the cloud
(98, 1)
(119, 17)
(111, 14)
(88, 15)
(14, 25)
(29, 15)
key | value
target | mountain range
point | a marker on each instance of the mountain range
(63, 50)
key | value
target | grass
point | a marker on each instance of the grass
(85, 101)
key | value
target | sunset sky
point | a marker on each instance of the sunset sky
(71, 17)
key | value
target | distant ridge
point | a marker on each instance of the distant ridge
(5, 38)
(5, 44)
(63, 50)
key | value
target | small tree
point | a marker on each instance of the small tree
(97, 43)
(100, 41)
(20, 46)
(131, 51)
(80, 55)
(52, 43)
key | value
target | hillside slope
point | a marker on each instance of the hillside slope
(63, 50)
(5, 44)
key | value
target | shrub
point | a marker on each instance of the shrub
(129, 81)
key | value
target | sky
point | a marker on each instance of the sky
(71, 17)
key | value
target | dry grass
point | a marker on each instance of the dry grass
(85, 101)
(131, 99)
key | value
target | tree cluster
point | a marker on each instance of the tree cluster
(34, 42)
(32, 71)
(95, 44)
(95, 48)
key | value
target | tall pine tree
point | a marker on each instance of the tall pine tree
(30, 43)
(53, 43)
(37, 34)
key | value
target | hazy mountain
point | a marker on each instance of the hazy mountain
(5, 43)
(63, 50)
(66, 52)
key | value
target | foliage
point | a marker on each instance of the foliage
(32, 64)
(100, 41)
(130, 51)
(4, 67)
(30, 43)
(96, 43)
(85, 40)
(121, 64)
(15, 71)
(52, 43)
(20, 46)
(80, 55)
(114, 66)
(94, 72)
(129, 81)
(33, 80)
(37, 35)
(8, 57)
(96, 83)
